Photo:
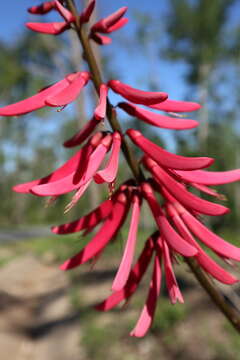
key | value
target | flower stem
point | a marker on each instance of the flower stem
(230, 313)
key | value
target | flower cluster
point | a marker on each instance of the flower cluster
(179, 229)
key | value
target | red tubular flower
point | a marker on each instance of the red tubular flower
(88, 221)
(68, 95)
(110, 172)
(171, 282)
(100, 111)
(65, 13)
(59, 94)
(209, 177)
(105, 25)
(135, 95)
(203, 259)
(108, 230)
(79, 176)
(53, 28)
(71, 165)
(126, 263)
(148, 311)
(83, 134)
(181, 194)
(176, 106)
(43, 8)
(163, 157)
(172, 237)
(154, 119)
(134, 278)
(87, 12)
(101, 39)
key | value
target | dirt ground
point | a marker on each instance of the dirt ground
(47, 315)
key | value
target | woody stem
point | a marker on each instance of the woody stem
(230, 313)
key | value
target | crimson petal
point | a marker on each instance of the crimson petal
(103, 236)
(110, 172)
(165, 158)
(134, 279)
(70, 93)
(53, 28)
(43, 8)
(212, 240)
(147, 314)
(35, 102)
(176, 242)
(86, 222)
(82, 135)
(210, 177)
(181, 194)
(176, 106)
(126, 262)
(135, 95)
(154, 119)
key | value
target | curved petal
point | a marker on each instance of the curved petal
(43, 8)
(108, 230)
(100, 111)
(135, 95)
(165, 158)
(176, 242)
(110, 172)
(126, 262)
(134, 279)
(103, 24)
(87, 12)
(35, 102)
(176, 106)
(53, 28)
(70, 93)
(181, 194)
(154, 119)
(210, 239)
(86, 222)
(210, 177)
(82, 135)
(147, 314)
